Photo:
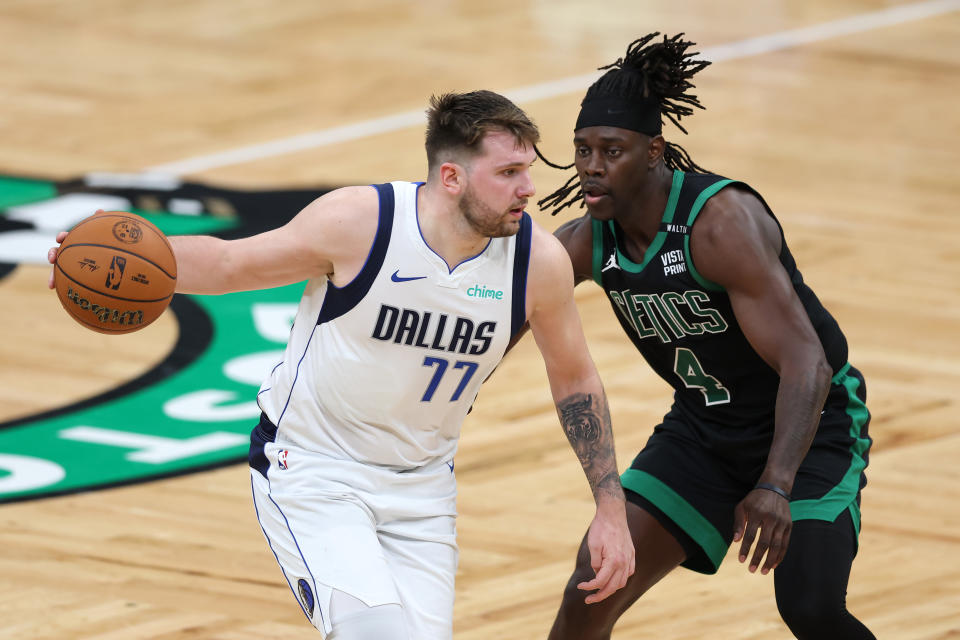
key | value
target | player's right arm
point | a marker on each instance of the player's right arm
(736, 243)
(333, 232)
(330, 236)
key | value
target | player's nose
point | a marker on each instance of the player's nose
(527, 188)
(593, 166)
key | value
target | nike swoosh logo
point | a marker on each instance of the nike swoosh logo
(399, 278)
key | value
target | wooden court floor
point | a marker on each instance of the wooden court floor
(843, 114)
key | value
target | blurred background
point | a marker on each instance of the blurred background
(226, 117)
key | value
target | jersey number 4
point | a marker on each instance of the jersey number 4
(694, 377)
(469, 368)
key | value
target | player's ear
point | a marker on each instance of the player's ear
(452, 177)
(655, 151)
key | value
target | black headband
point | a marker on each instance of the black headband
(636, 114)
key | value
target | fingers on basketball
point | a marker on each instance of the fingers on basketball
(115, 272)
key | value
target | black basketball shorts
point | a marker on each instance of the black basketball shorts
(693, 492)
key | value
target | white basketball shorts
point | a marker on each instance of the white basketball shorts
(379, 535)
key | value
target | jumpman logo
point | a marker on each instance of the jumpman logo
(611, 263)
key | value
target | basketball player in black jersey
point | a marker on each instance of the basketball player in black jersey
(766, 442)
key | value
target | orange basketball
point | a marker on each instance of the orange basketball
(115, 272)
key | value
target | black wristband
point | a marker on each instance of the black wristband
(772, 487)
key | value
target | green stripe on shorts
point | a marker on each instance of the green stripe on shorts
(844, 495)
(680, 511)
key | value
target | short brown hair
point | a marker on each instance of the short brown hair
(458, 122)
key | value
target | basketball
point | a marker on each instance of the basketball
(115, 272)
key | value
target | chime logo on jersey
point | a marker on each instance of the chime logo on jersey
(669, 315)
(430, 330)
(480, 291)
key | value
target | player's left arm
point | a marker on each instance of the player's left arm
(737, 244)
(582, 407)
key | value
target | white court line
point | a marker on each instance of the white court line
(731, 51)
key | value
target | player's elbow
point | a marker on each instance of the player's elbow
(574, 380)
(822, 372)
(812, 367)
(806, 366)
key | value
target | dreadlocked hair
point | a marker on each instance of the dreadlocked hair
(661, 70)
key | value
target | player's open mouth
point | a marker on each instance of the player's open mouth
(593, 194)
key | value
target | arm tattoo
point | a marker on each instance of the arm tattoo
(581, 423)
(586, 421)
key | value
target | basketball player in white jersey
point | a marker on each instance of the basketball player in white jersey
(415, 292)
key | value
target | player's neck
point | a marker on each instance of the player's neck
(445, 231)
(640, 219)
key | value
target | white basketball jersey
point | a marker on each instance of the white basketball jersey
(385, 369)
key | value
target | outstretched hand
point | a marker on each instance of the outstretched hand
(52, 252)
(770, 514)
(52, 256)
(611, 554)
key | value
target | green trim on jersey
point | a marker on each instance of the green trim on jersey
(844, 495)
(626, 263)
(629, 265)
(680, 511)
(694, 212)
(596, 228)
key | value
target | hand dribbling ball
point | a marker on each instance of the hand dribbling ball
(115, 272)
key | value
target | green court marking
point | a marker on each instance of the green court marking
(200, 416)
(15, 191)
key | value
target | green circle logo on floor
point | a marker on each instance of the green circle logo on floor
(196, 408)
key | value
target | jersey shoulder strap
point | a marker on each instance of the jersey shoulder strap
(698, 188)
(702, 187)
(338, 301)
(521, 266)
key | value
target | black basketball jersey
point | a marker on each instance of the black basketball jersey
(685, 327)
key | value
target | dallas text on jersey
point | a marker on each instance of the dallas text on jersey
(426, 329)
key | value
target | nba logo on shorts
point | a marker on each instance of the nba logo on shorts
(282, 458)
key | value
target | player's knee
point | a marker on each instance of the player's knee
(578, 620)
(810, 616)
(384, 622)
(572, 595)
(572, 617)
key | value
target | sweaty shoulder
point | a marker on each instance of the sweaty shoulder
(340, 226)
(731, 233)
(577, 238)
